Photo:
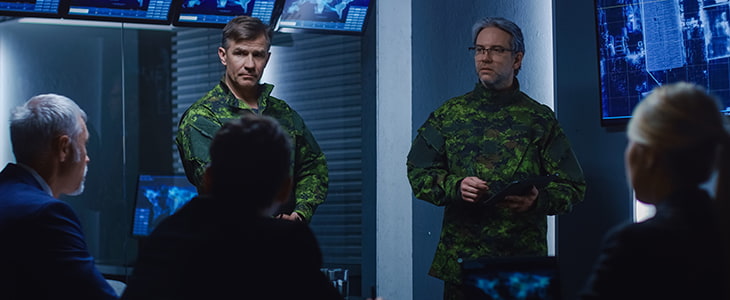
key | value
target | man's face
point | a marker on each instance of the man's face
(78, 165)
(496, 70)
(245, 62)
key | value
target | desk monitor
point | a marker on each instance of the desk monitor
(216, 13)
(134, 11)
(511, 278)
(31, 8)
(338, 16)
(157, 198)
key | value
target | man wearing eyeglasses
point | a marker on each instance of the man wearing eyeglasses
(474, 145)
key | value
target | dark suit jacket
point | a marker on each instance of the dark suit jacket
(209, 250)
(43, 253)
(674, 255)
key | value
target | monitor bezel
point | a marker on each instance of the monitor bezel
(177, 10)
(62, 8)
(287, 29)
(121, 19)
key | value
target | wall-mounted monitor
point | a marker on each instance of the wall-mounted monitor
(216, 13)
(136, 11)
(31, 8)
(337, 16)
(645, 44)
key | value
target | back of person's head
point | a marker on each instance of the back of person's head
(244, 28)
(35, 124)
(249, 162)
(518, 41)
(684, 122)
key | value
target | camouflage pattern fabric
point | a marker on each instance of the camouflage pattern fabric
(202, 120)
(499, 137)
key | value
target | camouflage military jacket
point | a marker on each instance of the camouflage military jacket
(499, 137)
(202, 120)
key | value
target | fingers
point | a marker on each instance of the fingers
(520, 203)
(472, 188)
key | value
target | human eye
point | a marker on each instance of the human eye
(497, 49)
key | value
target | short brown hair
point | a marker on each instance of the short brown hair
(244, 28)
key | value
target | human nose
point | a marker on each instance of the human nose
(249, 61)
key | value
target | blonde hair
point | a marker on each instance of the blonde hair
(683, 121)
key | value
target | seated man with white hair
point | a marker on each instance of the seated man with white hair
(44, 254)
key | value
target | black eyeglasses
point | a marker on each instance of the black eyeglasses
(499, 50)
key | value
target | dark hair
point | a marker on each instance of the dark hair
(244, 28)
(249, 160)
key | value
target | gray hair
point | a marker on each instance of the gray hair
(42, 118)
(518, 41)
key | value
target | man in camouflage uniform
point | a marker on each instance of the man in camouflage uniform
(475, 144)
(245, 53)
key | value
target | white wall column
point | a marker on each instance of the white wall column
(394, 220)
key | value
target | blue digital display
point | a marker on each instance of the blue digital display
(157, 198)
(645, 44)
(341, 16)
(143, 11)
(216, 13)
(30, 7)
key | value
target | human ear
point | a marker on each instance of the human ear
(62, 146)
(282, 195)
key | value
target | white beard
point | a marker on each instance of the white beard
(80, 190)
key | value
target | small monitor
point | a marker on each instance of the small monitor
(338, 16)
(31, 8)
(135, 11)
(216, 13)
(157, 198)
(532, 277)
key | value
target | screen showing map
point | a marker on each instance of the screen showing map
(341, 16)
(157, 198)
(138, 11)
(41, 8)
(645, 44)
(216, 13)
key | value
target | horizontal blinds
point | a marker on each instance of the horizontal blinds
(320, 77)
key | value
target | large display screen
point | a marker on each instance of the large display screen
(645, 44)
(216, 13)
(139, 11)
(40, 8)
(333, 16)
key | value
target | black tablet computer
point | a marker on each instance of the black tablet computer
(518, 187)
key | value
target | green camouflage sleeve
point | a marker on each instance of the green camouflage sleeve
(311, 177)
(428, 169)
(195, 133)
(569, 189)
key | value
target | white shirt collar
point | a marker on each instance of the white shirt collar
(38, 178)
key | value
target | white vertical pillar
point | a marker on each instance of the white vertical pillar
(394, 221)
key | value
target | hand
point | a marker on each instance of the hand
(472, 188)
(520, 203)
(292, 217)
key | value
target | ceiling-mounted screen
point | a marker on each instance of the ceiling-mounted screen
(334, 16)
(645, 44)
(216, 13)
(139, 11)
(30, 8)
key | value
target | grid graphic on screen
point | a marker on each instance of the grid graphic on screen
(645, 44)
